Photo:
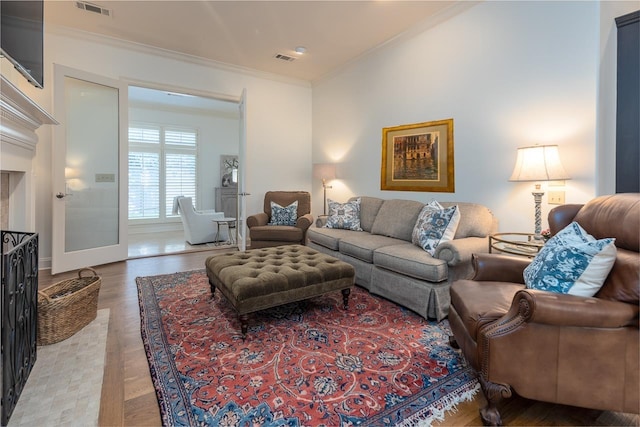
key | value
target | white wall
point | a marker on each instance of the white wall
(278, 112)
(510, 74)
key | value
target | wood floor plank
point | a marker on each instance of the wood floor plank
(128, 396)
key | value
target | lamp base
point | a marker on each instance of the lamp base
(537, 198)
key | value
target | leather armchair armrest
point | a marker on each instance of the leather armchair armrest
(304, 222)
(561, 216)
(499, 268)
(257, 220)
(459, 251)
(570, 310)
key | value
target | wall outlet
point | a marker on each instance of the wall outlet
(555, 197)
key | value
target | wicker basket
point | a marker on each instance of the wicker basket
(67, 306)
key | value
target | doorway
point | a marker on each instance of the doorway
(154, 228)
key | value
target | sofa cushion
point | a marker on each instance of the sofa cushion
(344, 215)
(410, 260)
(572, 262)
(435, 224)
(475, 220)
(396, 218)
(327, 237)
(369, 207)
(284, 215)
(362, 245)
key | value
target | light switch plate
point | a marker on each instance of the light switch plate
(105, 177)
(555, 197)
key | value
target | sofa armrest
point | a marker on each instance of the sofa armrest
(459, 251)
(322, 221)
(556, 309)
(304, 222)
(257, 220)
(499, 268)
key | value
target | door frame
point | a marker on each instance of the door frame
(240, 100)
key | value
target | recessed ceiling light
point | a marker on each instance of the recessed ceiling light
(300, 50)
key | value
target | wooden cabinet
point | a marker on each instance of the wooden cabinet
(227, 201)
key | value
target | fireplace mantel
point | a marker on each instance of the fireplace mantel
(20, 117)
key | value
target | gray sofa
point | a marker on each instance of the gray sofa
(388, 264)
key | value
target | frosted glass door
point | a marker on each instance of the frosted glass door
(89, 173)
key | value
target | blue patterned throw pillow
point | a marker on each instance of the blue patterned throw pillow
(435, 225)
(344, 215)
(572, 262)
(287, 215)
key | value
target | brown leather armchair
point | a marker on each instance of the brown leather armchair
(263, 235)
(554, 347)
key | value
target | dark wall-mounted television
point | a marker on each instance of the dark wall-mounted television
(22, 37)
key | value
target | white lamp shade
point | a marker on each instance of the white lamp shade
(324, 171)
(538, 163)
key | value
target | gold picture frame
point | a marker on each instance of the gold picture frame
(418, 157)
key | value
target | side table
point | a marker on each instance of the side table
(230, 222)
(521, 244)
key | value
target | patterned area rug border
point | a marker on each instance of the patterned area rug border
(174, 390)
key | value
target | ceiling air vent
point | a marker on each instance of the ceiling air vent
(93, 8)
(286, 58)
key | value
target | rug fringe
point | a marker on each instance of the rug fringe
(438, 409)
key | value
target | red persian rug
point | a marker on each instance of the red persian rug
(309, 363)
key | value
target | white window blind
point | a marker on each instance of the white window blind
(162, 165)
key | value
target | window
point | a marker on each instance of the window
(162, 165)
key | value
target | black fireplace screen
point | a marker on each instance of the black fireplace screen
(19, 314)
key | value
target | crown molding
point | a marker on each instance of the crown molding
(170, 54)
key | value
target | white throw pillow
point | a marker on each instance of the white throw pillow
(572, 262)
(435, 225)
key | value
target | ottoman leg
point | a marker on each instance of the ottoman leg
(243, 324)
(345, 298)
(213, 288)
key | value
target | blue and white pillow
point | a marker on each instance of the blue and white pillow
(344, 215)
(572, 262)
(287, 215)
(435, 225)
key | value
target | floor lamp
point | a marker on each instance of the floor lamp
(326, 172)
(538, 163)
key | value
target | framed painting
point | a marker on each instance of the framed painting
(229, 170)
(418, 157)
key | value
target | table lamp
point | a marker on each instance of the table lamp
(538, 163)
(325, 172)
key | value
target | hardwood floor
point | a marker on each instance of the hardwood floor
(128, 396)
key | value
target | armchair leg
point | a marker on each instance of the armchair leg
(493, 394)
(453, 343)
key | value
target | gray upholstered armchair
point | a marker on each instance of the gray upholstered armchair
(264, 235)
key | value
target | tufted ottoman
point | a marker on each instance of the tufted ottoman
(262, 278)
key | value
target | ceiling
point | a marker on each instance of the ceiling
(250, 33)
